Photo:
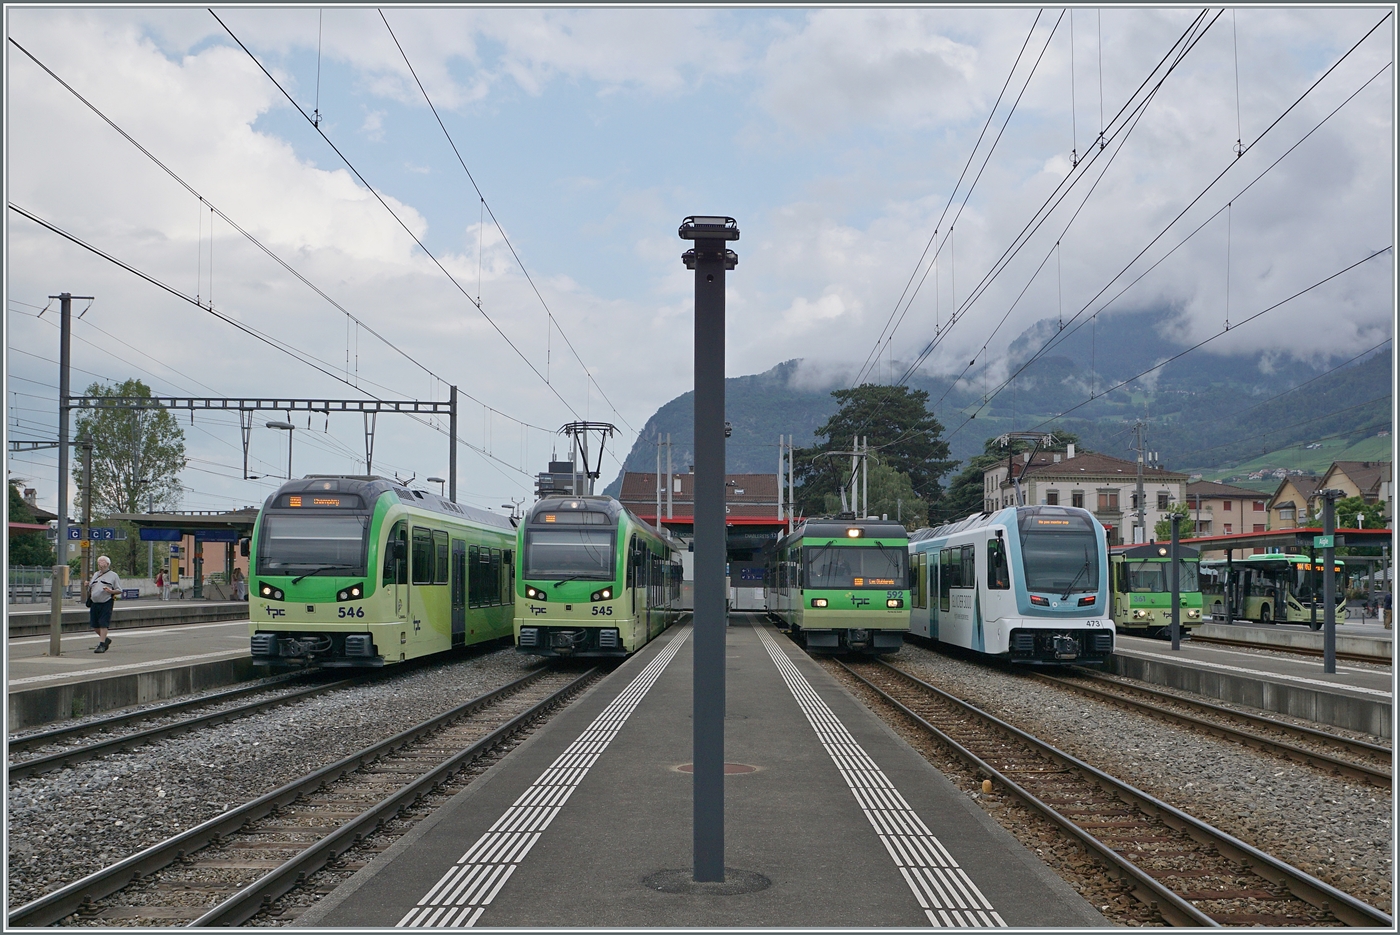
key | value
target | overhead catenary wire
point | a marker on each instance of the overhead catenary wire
(501, 230)
(1064, 334)
(214, 210)
(373, 191)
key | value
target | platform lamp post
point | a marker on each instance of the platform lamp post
(1329, 578)
(439, 481)
(289, 428)
(710, 259)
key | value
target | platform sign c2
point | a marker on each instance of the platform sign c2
(175, 548)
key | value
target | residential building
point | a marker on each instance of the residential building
(1102, 484)
(751, 508)
(1370, 480)
(1293, 502)
(1221, 510)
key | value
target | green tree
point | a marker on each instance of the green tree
(30, 548)
(1373, 514)
(137, 457)
(965, 494)
(1185, 529)
(891, 494)
(901, 432)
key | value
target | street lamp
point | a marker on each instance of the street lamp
(288, 428)
(439, 481)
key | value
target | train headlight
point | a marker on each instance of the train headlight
(271, 593)
(853, 533)
(1086, 601)
(535, 594)
(352, 593)
(818, 602)
(1194, 614)
(1142, 615)
(895, 602)
(604, 595)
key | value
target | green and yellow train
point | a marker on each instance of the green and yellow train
(1141, 586)
(842, 586)
(364, 572)
(594, 580)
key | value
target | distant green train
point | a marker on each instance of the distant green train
(1141, 586)
(593, 579)
(842, 586)
(363, 572)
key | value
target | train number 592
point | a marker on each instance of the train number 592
(351, 611)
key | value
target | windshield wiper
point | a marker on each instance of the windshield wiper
(1065, 596)
(570, 578)
(318, 570)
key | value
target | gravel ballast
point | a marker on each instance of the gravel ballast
(1337, 829)
(69, 823)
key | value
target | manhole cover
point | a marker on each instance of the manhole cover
(730, 769)
(736, 883)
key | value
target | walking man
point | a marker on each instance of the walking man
(101, 589)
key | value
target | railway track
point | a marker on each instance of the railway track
(1192, 873)
(229, 868)
(21, 769)
(1368, 761)
(1294, 650)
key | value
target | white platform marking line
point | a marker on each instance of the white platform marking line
(459, 898)
(1259, 672)
(939, 884)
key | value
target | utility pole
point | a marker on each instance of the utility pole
(658, 480)
(710, 259)
(1329, 580)
(86, 544)
(781, 455)
(670, 479)
(792, 506)
(452, 450)
(864, 477)
(1176, 581)
(60, 568)
(1140, 530)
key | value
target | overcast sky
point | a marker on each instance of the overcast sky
(835, 137)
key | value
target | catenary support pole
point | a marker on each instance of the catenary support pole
(452, 450)
(1229, 583)
(1176, 581)
(88, 558)
(670, 479)
(1329, 582)
(709, 259)
(65, 341)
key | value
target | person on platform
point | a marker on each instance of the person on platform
(101, 589)
(240, 585)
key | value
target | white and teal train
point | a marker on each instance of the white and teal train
(1025, 584)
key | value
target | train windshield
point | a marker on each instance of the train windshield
(1156, 577)
(1060, 552)
(576, 553)
(301, 542)
(847, 566)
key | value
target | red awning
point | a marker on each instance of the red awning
(17, 529)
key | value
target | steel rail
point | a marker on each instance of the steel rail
(1295, 650)
(53, 761)
(57, 734)
(1173, 908)
(68, 899)
(248, 901)
(1381, 777)
(1301, 884)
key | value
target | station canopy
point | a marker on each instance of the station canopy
(1290, 539)
(204, 525)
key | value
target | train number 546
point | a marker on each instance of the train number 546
(351, 611)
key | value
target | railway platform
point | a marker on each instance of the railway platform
(144, 664)
(1358, 696)
(34, 619)
(588, 822)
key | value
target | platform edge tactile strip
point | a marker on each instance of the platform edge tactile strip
(943, 889)
(459, 898)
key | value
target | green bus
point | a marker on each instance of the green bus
(1273, 588)
(1141, 588)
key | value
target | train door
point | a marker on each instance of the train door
(458, 586)
(396, 568)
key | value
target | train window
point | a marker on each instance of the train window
(998, 576)
(440, 553)
(422, 555)
(473, 576)
(459, 576)
(632, 563)
(969, 566)
(396, 569)
(946, 573)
